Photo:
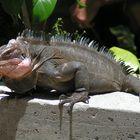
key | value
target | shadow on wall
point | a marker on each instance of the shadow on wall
(11, 111)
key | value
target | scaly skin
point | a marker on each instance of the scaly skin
(64, 66)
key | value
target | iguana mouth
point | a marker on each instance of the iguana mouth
(15, 60)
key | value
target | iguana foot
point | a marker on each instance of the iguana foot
(80, 95)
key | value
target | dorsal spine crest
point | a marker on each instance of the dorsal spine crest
(67, 40)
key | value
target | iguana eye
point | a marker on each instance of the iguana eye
(23, 55)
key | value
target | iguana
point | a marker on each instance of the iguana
(67, 66)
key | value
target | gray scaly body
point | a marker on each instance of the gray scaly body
(63, 65)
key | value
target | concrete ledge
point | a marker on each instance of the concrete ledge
(113, 116)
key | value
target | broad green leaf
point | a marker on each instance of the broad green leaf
(126, 56)
(42, 9)
(12, 7)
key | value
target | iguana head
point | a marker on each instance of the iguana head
(15, 60)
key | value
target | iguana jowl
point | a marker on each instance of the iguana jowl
(63, 65)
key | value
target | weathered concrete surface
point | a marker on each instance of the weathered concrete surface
(113, 116)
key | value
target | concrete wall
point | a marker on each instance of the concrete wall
(114, 116)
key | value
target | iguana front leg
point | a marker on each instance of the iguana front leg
(68, 71)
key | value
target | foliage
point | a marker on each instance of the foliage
(42, 9)
(127, 49)
(124, 37)
(12, 7)
(33, 11)
(129, 58)
(59, 30)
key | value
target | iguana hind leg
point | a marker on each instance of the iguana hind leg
(80, 95)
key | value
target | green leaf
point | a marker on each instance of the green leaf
(126, 56)
(12, 7)
(42, 9)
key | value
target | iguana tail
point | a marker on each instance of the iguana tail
(132, 84)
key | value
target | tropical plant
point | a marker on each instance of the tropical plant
(31, 12)
(127, 49)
